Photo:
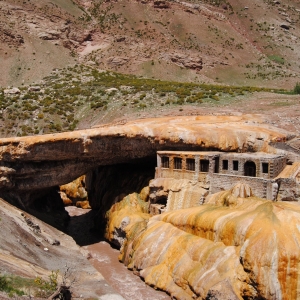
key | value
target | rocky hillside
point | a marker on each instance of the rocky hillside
(225, 41)
(68, 65)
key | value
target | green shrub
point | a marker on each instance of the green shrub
(3, 283)
(297, 89)
(277, 59)
(47, 287)
(6, 286)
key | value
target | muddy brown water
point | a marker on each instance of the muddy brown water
(105, 259)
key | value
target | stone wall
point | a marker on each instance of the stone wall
(261, 187)
(288, 189)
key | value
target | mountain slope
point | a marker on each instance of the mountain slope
(232, 42)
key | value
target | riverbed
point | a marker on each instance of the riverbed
(105, 259)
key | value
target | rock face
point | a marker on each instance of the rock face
(110, 184)
(174, 194)
(230, 248)
(44, 161)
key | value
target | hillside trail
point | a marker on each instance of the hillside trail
(104, 258)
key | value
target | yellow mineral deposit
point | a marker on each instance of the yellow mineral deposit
(127, 216)
(231, 248)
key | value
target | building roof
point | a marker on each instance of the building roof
(253, 155)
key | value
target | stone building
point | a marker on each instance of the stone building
(268, 175)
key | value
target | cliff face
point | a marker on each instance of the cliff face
(230, 248)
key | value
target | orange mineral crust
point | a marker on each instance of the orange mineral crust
(229, 248)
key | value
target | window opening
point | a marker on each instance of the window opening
(235, 165)
(225, 164)
(204, 165)
(190, 164)
(177, 163)
(265, 168)
(250, 169)
(217, 163)
(165, 162)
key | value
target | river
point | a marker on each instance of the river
(105, 259)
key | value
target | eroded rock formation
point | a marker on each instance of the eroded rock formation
(31, 168)
(230, 248)
(32, 163)
(130, 214)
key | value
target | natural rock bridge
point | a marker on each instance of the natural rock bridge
(31, 165)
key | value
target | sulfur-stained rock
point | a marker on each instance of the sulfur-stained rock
(66, 200)
(230, 248)
(144, 194)
(74, 192)
(83, 204)
(128, 215)
(184, 265)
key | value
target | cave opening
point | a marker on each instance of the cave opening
(102, 187)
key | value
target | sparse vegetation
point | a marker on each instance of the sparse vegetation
(56, 106)
(276, 58)
(14, 285)
(53, 288)
(297, 89)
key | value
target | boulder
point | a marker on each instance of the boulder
(117, 60)
(74, 191)
(12, 91)
(161, 4)
(285, 26)
(49, 35)
(35, 88)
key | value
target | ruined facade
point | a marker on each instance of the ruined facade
(268, 175)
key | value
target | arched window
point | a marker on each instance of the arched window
(250, 169)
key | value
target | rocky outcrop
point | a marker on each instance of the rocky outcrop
(12, 39)
(74, 192)
(161, 4)
(31, 248)
(130, 214)
(49, 35)
(230, 248)
(183, 60)
(117, 61)
(167, 194)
